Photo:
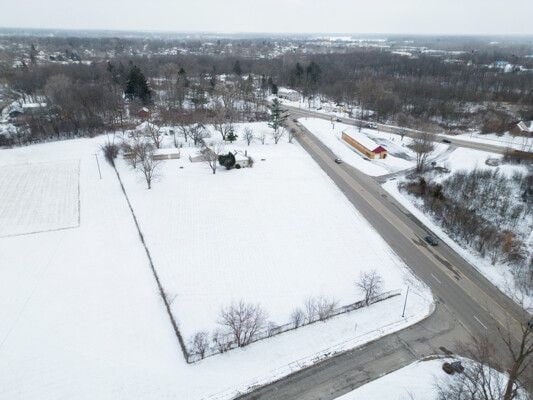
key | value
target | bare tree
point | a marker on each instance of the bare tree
(262, 137)
(277, 134)
(423, 146)
(199, 344)
(221, 340)
(297, 317)
(211, 154)
(248, 135)
(310, 310)
(292, 133)
(243, 320)
(521, 353)
(480, 379)
(370, 283)
(325, 307)
(154, 133)
(197, 133)
(147, 165)
(319, 308)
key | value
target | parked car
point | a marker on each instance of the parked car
(338, 120)
(371, 125)
(446, 141)
(431, 240)
(452, 368)
(338, 161)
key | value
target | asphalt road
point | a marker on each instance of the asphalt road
(393, 129)
(467, 303)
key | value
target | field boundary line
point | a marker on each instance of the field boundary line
(154, 271)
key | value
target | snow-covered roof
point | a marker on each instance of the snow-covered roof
(166, 151)
(145, 126)
(285, 91)
(363, 140)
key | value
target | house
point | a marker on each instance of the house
(289, 94)
(521, 129)
(143, 113)
(365, 145)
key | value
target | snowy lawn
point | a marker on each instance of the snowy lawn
(38, 197)
(80, 314)
(399, 157)
(275, 234)
(469, 159)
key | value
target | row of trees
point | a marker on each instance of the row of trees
(241, 323)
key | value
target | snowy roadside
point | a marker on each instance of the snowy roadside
(417, 381)
(500, 276)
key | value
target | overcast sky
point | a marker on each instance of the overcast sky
(350, 16)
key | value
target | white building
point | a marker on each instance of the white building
(289, 94)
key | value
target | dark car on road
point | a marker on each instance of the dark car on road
(338, 120)
(446, 141)
(431, 240)
(338, 161)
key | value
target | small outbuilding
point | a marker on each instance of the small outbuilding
(365, 145)
(143, 113)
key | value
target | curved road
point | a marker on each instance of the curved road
(467, 303)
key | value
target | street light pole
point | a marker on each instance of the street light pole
(98, 164)
(405, 302)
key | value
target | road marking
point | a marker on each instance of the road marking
(437, 279)
(482, 324)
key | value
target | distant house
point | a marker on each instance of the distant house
(143, 113)
(521, 129)
(365, 145)
(288, 94)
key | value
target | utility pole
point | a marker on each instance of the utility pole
(405, 302)
(98, 164)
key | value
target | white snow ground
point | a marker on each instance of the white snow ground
(80, 315)
(399, 157)
(54, 184)
(275, 234)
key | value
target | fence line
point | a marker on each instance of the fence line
(307, 361)
(273, 331)
(154, 272)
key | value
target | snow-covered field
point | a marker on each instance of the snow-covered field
(36, 197)
(80, 313)
(469, 159)
(399, 157)
(275, 234)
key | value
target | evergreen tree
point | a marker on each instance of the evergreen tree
(231, 136)
(137, 86)
(227, 160)
(278, 116)
(237, 70)
(299, 74)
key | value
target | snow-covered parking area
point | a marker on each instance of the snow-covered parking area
(400, 156)
(36, 197)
